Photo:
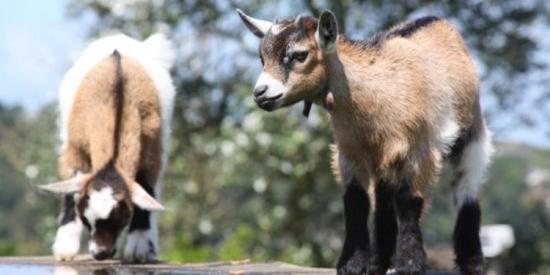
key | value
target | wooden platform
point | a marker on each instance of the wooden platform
(46, 265)
(86, 265)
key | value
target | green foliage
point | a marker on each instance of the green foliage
(237, 243)
(26, 145)
(185, 251)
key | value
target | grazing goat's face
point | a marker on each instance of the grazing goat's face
(293, 62)
(105, 207)
(105, 203)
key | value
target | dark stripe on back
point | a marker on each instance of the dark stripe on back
(374, 42)
(410, 28)
(403, 30)
(119, 101)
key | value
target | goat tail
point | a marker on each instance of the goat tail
(118, 101)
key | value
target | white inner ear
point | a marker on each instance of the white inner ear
(143, 200)
(324, 46)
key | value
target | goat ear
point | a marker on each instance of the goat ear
(69, 186)
(142, 199)
(258, 27)
(327, 32)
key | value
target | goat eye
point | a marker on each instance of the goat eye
(286, 60)
(300, 56)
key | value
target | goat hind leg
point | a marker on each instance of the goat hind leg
(469, 162)
(410, 254)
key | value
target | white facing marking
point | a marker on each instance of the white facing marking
(275, 87)
(94, 248)
(67, 241)
(474, 162)
(100, 204)
(137, 247)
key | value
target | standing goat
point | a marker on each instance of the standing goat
(399, 104)
(116, 107)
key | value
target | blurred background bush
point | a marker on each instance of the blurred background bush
(242, 183)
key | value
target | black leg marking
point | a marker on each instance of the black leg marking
(467, 244)
(410, 254)
(68, 212)
(141, 218)
(354, 259)
(385, 230)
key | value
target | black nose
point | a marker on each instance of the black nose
(102, 255)
(260, 90)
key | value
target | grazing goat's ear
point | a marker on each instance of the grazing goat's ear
(69, 186)
(258, 27)
(142, 199)
(327, 32)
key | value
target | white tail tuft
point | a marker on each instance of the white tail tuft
(163, 48)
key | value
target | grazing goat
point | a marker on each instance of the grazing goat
(399, 105)
(116, 105)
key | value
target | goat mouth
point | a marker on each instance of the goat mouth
(268, 103)
(104, 255)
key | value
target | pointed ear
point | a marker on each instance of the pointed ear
(327, 32)
(143, 200)
(69, 186)
(257, 26)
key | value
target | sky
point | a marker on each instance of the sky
(38, 42)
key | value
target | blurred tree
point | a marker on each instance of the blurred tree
(27, 155)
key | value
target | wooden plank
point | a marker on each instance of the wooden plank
(86, 263)
(47, 265)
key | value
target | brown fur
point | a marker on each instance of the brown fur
(386, 112)
(91, 123)
(388, 96)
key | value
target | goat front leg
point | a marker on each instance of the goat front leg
(354, 257)
(410, 254)
(385, 229)
(67, 238)
(142, 242)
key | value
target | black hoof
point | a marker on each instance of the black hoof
(473, 266)
(410, 270)
(356, 265)
(411, 266)
(377, 270)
